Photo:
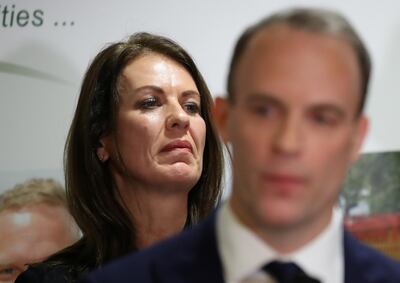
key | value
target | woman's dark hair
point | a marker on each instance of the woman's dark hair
(91, 191)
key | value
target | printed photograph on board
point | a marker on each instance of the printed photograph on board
(371, 201)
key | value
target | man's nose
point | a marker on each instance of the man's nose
(288, 137)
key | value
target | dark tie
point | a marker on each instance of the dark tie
(288, 273)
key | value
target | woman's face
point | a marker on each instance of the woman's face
(160, 134)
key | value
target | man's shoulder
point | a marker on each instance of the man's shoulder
(372, 264)
(187, 248)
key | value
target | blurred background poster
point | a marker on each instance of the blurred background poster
(371, 201)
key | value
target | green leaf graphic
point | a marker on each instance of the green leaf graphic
(20, 70)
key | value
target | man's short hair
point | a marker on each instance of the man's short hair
(318, 21)
(31, 192)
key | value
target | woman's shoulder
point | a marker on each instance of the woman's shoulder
(49, 273)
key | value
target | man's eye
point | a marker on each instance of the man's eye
(192, 107)
(8, 273)
(322, 119)
(8, 270)
(262, 110)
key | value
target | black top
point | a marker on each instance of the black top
(46, 273)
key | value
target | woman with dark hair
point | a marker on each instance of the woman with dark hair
(142, 158)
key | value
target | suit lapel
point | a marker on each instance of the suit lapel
(354, 269)
(196, 260)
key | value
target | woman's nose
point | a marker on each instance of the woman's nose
(177, 118)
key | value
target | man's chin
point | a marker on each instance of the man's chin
(279, 218)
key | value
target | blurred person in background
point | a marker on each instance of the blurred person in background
(142, 158)
(34, 223)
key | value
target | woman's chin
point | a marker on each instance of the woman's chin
(183, 173)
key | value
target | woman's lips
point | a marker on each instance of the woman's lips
(178, 145)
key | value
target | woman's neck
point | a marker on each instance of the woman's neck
(156, 213)
(157, 219)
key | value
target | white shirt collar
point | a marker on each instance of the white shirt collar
(243, 253)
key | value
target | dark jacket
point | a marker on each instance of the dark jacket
(192, 257)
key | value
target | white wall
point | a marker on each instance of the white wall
(35, 112)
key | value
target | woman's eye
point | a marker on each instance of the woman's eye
(149, 103)
(192, 107)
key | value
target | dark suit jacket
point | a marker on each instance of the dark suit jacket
(192, 257)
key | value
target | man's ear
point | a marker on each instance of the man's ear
(103, 150)
(361, 133)
(221, 116)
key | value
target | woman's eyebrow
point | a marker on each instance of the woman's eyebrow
(190, 93)
(149, 87)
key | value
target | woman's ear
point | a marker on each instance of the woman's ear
(102, 151)
(221, 114)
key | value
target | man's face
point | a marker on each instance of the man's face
(293, 127)
(30, 235)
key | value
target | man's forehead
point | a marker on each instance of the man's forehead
(273, 31)
(264, 46)
(322, 62)
(279, 35)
